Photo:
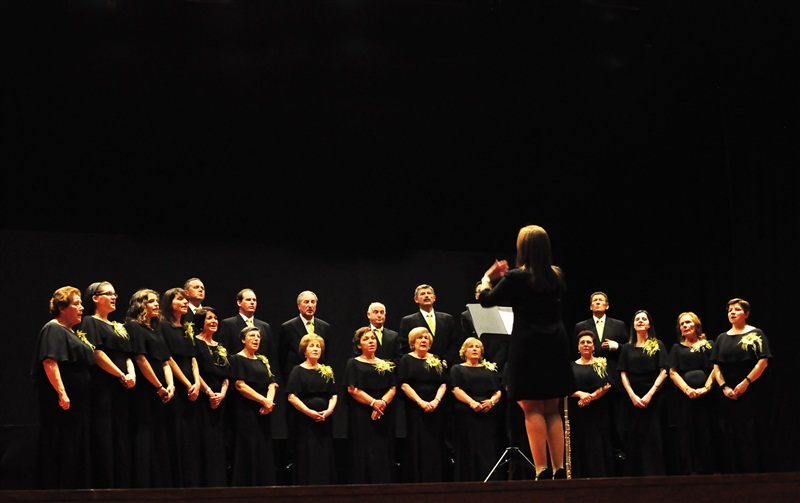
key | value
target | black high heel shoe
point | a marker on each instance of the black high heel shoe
(560, 474)
(545, 474)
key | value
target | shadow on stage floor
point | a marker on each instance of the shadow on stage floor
(697, 489)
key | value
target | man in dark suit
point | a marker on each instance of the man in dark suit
(389, 347)
(610, 335)
(443, 326)
(229, 328)
(446, 332)
(196, 294)
(293, 330)
(229, 336)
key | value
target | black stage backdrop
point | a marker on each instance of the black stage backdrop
(359, 149)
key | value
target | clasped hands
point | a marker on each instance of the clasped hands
(378, 409)
(267, 406)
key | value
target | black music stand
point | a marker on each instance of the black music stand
(506, 459)
(495, 323)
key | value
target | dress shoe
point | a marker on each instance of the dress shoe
(560, 474)
(545, 474)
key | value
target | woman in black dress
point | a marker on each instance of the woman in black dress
(740, 357)
(476, 387)
(112, 380)
(214, 367)
(591, 452)
(61, 371)
(421, 377)
(311, 389)
(253, 462)
(371, 387)
(642, 367)
(538, 368)
(152, 465)
(690, 404)
(187, 437)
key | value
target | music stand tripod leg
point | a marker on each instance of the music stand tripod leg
(507, 457)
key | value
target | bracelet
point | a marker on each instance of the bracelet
(723, 386)
(372, 403)
(748, 379)
(486, 279)
(436, 398)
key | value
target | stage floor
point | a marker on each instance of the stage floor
(696, 489)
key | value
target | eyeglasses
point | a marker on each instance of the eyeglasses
(108, 294)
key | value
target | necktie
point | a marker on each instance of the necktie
(431, 322)
(310, 327)
(249, 322)
(379, 334)
(600, 327)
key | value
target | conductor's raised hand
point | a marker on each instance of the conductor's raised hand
(497, 270)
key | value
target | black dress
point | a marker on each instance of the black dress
(187, 433)
(538, 365)
(152, 457)
(253, 457)
(214, 367)
(691, 420)
(644, 451)
(64, 445)
(591, 452)
(477, 444)
(424, 444)
(314, 457)
(111, 437)
(744, 424)
(371, 442)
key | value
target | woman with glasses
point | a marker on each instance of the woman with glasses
(112, 380)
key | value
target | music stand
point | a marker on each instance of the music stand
(491, 322)
(496, 323)
(506, 457)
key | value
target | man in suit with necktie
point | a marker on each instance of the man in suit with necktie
(195, 294)
(293, 330)
(229, 329)
(289, 335)
(447, 340)
(389, 347)
(442, 326)
(610, 335)
(229, 336)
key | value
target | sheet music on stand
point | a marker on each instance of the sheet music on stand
(492, 322)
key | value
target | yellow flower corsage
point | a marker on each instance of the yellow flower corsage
(650, 347)
(326, 372)
(382, 366)
(434, 363)
(489, 365)
(222, 354)
(700, 346)
(188, 329)
(82, 336)
(266, 363)
(120, 330)
(751, 341)
(599, 365)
